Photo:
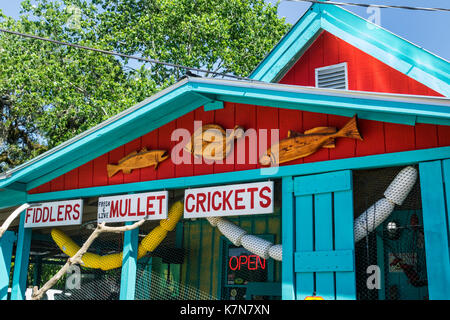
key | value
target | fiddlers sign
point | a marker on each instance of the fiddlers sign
(230, 200)
(50, 214)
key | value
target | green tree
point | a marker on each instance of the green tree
(50, 93)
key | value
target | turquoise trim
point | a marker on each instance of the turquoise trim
(6, 248)
(324, 261)
(214, 105)
(287, 227)
(367, 162)
(435, 230)
(323, 183)
(398, 53)
(21, 261)
(129, 264)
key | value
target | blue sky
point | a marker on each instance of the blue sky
(430, 30)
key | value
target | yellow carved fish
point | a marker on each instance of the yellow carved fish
(137, 160)
(299, 145)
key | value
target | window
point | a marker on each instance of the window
(334, 77)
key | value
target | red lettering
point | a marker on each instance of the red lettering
(28, 214)
(44, 217)
(189, 196)
(124, 212)
(261, 195)
(40, 214)
(131, 214)
(226, 200)
(242, 260)
(51, 215)
(201, 198)
(252, 196)
(161, 198)
(114, 211)
(263, 265)
(150, 205)
(139, 213)
(252, 262)
(76, 209)
(214, 195)
(58, 216)
(238, 199)
(236, 266)
(67, 212)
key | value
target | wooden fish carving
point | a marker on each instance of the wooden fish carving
(211, 141)
(298, 145)
(137, 160)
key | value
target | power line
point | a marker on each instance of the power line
(74, 45)
(372, 5)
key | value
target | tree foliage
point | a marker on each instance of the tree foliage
(50, 93)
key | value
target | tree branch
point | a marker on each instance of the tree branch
(12, 217)
(76, 259)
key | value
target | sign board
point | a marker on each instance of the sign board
(230, 200)
(51, 214)
(133, 207)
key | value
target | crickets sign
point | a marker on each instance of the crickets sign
(230, 200)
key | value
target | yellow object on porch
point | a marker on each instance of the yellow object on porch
(112, 261)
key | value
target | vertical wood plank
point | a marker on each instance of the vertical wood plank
(206, 117)
(344, 240)
(304, 241)
(245, 116)
(323, 223)
(21, 261)
(131, 146)
(185, 122)
(85, 175)
(129, 264)
(100, 176)
(435, 229)
(166, 169)
(150, 141)
(113, 158)
(225, 118)
(6, 248)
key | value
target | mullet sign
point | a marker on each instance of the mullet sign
(133, 207)
(50, 214)
(232, 200)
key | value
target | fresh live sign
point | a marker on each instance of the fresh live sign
(133, 207)
(231, 200)
(60, 213)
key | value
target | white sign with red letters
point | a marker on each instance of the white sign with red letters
(230, 200)
(133, 207)
(59, 213)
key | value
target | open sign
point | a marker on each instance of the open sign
(251, 262)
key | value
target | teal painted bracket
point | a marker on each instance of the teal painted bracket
(6, 248)
(214, 105)
(435, 230)
(324, 261)
(129, 264)
(21, 260)
(323, 183)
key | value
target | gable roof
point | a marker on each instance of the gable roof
(192, 93)
(398, 53)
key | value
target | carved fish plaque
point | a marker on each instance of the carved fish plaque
(211, 141)
(137, 160)
(298, 145)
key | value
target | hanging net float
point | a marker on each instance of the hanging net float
(368, 221)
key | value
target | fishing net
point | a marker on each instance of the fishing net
(390, 260)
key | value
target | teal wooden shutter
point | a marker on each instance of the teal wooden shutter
(324, 260)
(6, 247)
(435, 191)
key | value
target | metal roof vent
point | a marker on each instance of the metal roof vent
(334, 77)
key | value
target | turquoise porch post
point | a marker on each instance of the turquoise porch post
(6, 247)
(129, 264)
(21, 261)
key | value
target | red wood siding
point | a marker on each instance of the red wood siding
(365, 73)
